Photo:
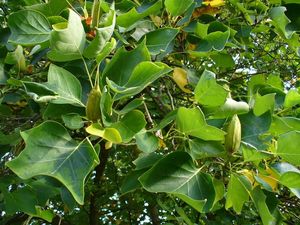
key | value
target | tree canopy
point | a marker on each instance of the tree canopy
(149, 112)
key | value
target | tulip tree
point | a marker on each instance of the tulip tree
(150, 112)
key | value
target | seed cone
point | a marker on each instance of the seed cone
(233, 137)
(93, 112)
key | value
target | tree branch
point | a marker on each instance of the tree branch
(94, 214)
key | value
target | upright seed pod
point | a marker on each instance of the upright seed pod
(93, 112)
(233, 137)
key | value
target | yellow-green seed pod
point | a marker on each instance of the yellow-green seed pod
(93, 112)
(233, 137)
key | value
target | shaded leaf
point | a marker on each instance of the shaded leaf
(177, 174)
(28, 27)
(52, 7)
(202, 149)
(157, 41)
(254, 127)
(129, 18)
(131, 182)
(73, 121)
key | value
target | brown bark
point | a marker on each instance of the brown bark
(93, 213)
(154, 215)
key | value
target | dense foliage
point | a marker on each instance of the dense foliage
(150, 112)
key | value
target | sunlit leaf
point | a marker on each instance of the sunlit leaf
(208, 92)
(192, 122)
(51, 151)
(67, 40)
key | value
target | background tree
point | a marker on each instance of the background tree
(140, 112)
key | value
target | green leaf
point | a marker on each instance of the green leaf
(286, 168)
(135, 103)
(143, 75)
(202, 149)
(106, 104)
(51, 151)
(237, 193)
(183, 215)
(281, 125)
(169, 118)
(73, 121)
(292, 98)
(110, 134)
(67, 41)
(9, 139)
(223, 60)
(208, 92)
(177, 174)
(177, 7)
(130, 124)
(146, 160)
(146, 141)
(251, 154)
(230, 108)
(280, 21)
(263, 103)
(28, 27)
(23, 200)
(45, 214)
(214, 36)
(129, 18)
(16, 58)
(291, 179)
(65, 85)
(131, 182)
(192, 122)
(123, 63)
(52, 7)
(103, 35)
(288, 147)
(106, 50)
(54, 111)
(259, 199)
(3, 75)
(254, 127)
(158, 41)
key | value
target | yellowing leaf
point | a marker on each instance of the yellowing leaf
(180, 78)
(271, 179)
(109, 134)
(249, 175)
(214, 3)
